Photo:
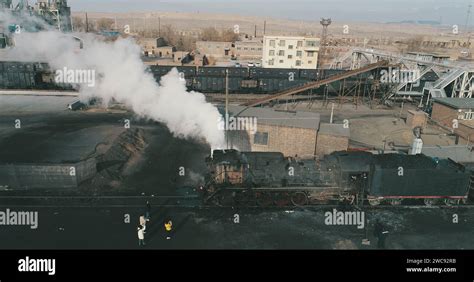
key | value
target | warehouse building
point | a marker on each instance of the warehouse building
(291, 133)
(456, 114)
(290, 52)
(216, 49)
(332, 138)
(249, 49)
(156, 47)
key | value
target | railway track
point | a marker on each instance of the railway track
(188, 202)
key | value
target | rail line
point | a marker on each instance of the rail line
(173, 201)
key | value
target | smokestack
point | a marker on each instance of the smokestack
(417, 146)
(264, 27)
(255, 32)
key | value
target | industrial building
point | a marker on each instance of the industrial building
(249, 49)
(55, 13)
(292, 133)
(455, 114)
(156, 47)
(216, 49)
(332, 138)
(290, 52)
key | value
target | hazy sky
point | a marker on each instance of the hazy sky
(450, 11)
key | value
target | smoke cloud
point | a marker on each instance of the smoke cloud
(122, 76)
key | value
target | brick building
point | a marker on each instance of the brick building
(292, 133)
(456, 114)
(332, 138)
(216, 49)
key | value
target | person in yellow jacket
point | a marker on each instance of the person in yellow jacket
(168, 228)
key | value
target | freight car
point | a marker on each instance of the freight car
(266, 179)
(242, 80)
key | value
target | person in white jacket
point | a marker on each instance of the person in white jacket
(141, 235)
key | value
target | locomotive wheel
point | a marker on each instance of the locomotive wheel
(282, 199)
(395, 202)
(299, 199)
(429, 202)
(374, 202)
(264, 199)
(451, 202)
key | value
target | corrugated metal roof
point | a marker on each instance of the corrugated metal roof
(271, 117)
(457, 103)
(334, 129)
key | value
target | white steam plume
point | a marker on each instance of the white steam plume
(123, 77)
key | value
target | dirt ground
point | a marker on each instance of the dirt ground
(104, 228)
(202, 228)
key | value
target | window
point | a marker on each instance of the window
(272, 43)
(311, 43)
(310, 54)
(290, 47)
(245, 48)
(298, 63)
(253, 49)
(290, 56)
(281, 61)
(271, 62)
(259, 49)
(238, 48)
(310, 62)
(299, 44)
(299, 53)
(469, 115)
(281, 43)
(261, 138)
(271, 53)
(281, 53)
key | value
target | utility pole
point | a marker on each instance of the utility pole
(226, 105)
(332, 112)
(87, 24)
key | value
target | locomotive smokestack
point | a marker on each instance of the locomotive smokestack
(417, 146)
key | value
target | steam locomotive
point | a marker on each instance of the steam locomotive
(270, 179)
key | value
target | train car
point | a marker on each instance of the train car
(395, 177)
(266, 178)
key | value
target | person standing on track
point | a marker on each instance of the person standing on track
(141, 235)
(168, 229)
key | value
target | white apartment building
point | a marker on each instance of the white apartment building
(297, 52)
